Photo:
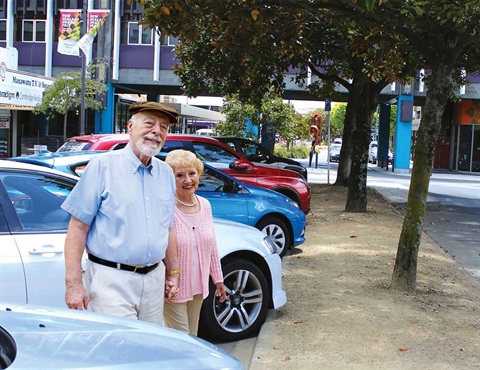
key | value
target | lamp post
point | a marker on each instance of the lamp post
(82, 104)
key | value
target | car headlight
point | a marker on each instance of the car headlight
(271, 246)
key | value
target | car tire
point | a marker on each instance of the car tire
(278, 232)
(245, 309)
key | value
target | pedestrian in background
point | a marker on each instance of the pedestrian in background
(196, 244)
(122, 211)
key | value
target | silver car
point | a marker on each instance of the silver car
(32, 235)
(38, 337)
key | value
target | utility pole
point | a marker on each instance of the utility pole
(84, 69)
(328, 108)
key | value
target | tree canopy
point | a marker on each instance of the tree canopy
(245, 47)
(66, 94)
(272, 110)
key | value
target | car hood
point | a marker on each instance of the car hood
(67, 339)
(232, 236)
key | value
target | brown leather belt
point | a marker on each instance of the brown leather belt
(120, 266)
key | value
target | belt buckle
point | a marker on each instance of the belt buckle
(139, 267)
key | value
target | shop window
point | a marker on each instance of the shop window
(464, 147)
(476, 149)
(139, 34)
(3, 30)
(33, 30)
(168, 40)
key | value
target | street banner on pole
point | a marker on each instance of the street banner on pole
(69, 31)
(95, 20)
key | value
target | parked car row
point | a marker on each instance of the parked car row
(32, 234)
(335, 149)
(33, 228)
(273, 213)
(257, 154)
(219, 155)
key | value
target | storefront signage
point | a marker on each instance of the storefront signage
(4, 123)
(22, 88)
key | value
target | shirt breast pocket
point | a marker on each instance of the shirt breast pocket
(165, 211)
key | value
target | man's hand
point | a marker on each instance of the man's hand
(76, 296)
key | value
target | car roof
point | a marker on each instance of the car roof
(8, 164)
(99, 137)
(236, 138)
(57, 158)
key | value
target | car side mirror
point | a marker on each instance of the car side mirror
(240, 166)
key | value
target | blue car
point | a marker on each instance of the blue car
(271, 212)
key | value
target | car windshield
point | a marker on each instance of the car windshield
(73, 146)
(213, 155)
(254, 152)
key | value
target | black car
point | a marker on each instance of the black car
(260, 155)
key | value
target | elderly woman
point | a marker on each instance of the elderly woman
(196, 245)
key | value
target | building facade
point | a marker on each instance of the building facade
(140, 66)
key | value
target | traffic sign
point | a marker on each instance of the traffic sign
(328, 105)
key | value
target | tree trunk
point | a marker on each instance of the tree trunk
(366, 95)
(345, 162)
(439, 89)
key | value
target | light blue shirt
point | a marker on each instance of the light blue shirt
(129, 207)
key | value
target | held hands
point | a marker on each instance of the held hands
(171, 287)
(221, 292)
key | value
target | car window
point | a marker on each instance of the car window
(214, 155)
(230, 144)
(79, 168)
(254, 152)
(119, 146)
(73, 146)
(170, 145)
(213, 182)
(37, 199)
(3, 223)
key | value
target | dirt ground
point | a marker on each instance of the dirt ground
(340, 313)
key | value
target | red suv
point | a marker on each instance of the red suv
(215, 153)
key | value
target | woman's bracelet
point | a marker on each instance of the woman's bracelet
(173, 272)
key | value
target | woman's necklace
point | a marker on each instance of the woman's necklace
(187, 204)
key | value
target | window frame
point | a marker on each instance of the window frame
(4, 21)
(141, 31)
(34, 30)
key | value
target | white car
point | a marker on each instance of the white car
(32, 235)
(39, 337)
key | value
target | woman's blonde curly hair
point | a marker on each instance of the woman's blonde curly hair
(184, 158)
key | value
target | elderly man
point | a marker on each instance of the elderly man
(122, 212)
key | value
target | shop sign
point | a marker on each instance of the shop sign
(4, 123)
(22, 88)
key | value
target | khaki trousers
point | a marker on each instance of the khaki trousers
(184, 316)
(126, 294)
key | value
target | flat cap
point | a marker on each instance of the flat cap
(171, 113)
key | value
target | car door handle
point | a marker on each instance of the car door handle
(46, 249)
